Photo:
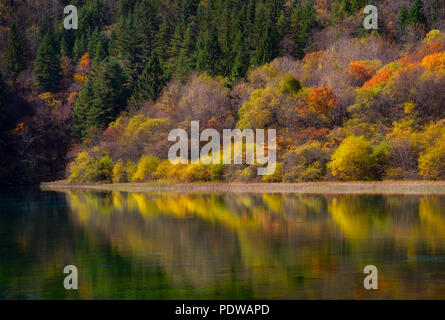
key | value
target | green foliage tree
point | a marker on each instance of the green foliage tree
(16, 54)
(151, 81)
(402, 16)
(102, 99)
(47, 65)
(416, 13)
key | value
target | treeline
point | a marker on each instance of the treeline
(129, 56)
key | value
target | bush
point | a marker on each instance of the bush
(432, 162)
(218, 172)
(290, 85)
(146, 169)
(306, 163)
(85, 169)
(198, 172)
(78, 168)
(130, 170)
(277, 176)
(101, 170)
(163, 169)
(119, 174)
(352, 160)
(177, 172)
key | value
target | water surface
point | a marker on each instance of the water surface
(220, 246)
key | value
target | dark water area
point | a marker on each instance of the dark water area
(220, 246)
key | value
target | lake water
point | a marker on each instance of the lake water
(221, 246)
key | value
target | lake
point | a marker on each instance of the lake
(171, 245)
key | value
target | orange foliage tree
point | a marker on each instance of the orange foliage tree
(322, 100)
(434, 62)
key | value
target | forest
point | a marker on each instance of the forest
(96, 104)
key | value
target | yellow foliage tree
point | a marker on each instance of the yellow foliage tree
(146, 169)
(352, 159)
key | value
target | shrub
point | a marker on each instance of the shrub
(163, 169)
(432, 162)
(78, 168)
(146, 169)
(352, 160)
(198, 172)
(306, 163)
(277, 176)
(290, 85)
(119, 174)
(101, 170)
(130, 170)
(177, 172)
(218, 172)
(247, 174)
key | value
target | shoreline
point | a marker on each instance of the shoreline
(372, 187)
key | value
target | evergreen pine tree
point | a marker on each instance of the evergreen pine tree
(416, 14)
(402, 16)
(173, 51)
(16, 52)
(101, 100)
(267, 50)
(47, 64)
(151, 81)
(147, 25)
(101, 49)
(187, 59)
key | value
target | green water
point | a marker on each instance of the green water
(220, 246)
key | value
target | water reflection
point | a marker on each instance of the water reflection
(171, 245)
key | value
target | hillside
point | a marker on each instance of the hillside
(97, 104)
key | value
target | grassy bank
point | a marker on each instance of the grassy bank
(405, 187)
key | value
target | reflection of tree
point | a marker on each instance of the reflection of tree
(171, 245)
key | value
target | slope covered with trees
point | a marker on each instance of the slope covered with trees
(347, 103)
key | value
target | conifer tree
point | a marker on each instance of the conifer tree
(416, 14)
(151, 81)
(402, 16)
(147, 25)
(47, 65)
(16, 52)
(267, 49)
(101, 100)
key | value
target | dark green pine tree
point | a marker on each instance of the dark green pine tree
(267, 49)
(80, 46)
(402, 16)
(16, 53)
(162, 42)
(44, 26)
(64, 51)
(125, 7)
(80, 111)
(240, 64)
(214, 52)
(151, 81)
(356, 5)
(110, 95)
(47, 64)
(187, 59)
(101, 49)
(147, 26)
(209, 53)
(102, 99)
(202, 57)
(173, 51)
(129, 45)
(416, 14)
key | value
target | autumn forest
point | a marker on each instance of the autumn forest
(96, 104)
